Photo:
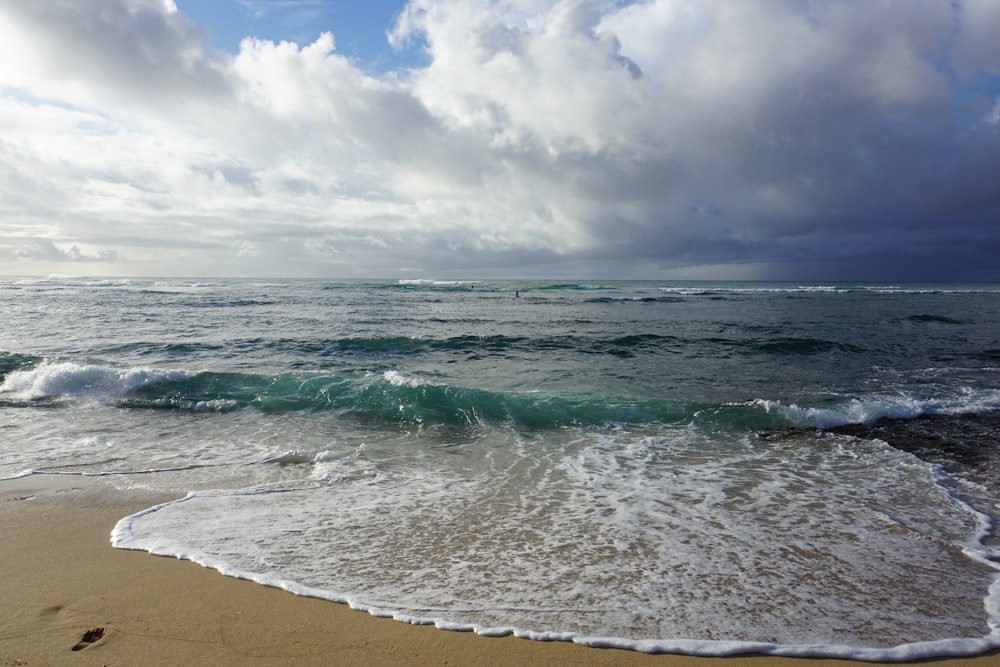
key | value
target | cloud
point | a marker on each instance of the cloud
(657, 138)
(46, 251)
(976, 49)
(135, 54)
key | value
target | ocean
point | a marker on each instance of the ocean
(697, 467)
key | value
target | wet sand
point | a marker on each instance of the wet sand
(68, 598)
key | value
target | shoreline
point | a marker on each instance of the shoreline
(66, 587)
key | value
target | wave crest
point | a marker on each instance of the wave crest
(50, 380)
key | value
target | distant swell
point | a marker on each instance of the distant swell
(306, 352)
(637, 299)
(926, 318)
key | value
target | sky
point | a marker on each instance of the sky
(812, 140)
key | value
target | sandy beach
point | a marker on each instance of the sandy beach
(69, 598)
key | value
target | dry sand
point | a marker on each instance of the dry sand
(64, 587)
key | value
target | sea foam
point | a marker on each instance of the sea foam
(82, 381)
(651, 539)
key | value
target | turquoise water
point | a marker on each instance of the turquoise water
(695, 467)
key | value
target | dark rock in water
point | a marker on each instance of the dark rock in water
(961, 443)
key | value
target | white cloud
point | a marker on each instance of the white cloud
(977, 49)
(993, 117)
(663, 135)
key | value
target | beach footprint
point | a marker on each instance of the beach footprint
(89, 637)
